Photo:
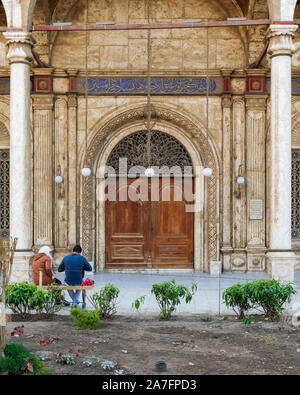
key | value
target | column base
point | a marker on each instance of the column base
(215, 268)
(21, 270)
(226, 254)
(281, 265)
(256, 258)
(239, 260)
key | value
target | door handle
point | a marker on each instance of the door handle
(152, 227)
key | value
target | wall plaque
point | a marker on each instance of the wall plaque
(256, 209)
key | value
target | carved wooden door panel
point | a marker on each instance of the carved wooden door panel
(172, 226)
(149, 223)
(127, 223)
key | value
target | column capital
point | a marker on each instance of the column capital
(281, 40)
(42, 102)
(238, 99)
(19, 47)
(72, 100)
(256, 102)
(226, 101)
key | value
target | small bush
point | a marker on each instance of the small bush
(169, 295)
(23, 298)
(55, 299)
(18, 360)
(237, 297)
(249, 319)
(105, 301)
(270, 296)
(85, 319)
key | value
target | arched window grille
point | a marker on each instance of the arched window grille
(165, 151)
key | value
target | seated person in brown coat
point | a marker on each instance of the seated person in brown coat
(43, 260)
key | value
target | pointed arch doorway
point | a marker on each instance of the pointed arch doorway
(150, 220)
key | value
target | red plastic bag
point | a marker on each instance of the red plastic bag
(87, 282)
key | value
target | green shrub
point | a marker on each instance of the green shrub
(105, 300)
(23, 298)
(55, 299)
(249, 319)
(85, 319)
(169, 295)
(270, 296)
(18, 360)
(237, 297)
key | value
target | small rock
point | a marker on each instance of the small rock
(66, 359)
(191, 364)
(124, 351)
(108, 365)
(44, 355)
(119, 372)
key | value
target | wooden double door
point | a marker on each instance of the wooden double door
(150, 224)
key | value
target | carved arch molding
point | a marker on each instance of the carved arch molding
(112, 127)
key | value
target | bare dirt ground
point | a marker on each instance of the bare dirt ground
(190, 345)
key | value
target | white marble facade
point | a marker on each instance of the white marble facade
(245, 226)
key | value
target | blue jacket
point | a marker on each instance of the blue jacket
(74, 265)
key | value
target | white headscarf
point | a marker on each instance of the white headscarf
(47, 251)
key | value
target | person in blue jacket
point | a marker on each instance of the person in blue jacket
(74, 265)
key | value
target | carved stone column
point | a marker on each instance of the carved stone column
(238, 261)
(255, 181)
(43, 170)
(72, 151)
(227, 181)
(61, 166)
(20, 56)
(280, 258)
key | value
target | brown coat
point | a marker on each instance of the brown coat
(42, 261)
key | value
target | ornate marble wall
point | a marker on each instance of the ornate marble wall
(235, 230)
(235, 218)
